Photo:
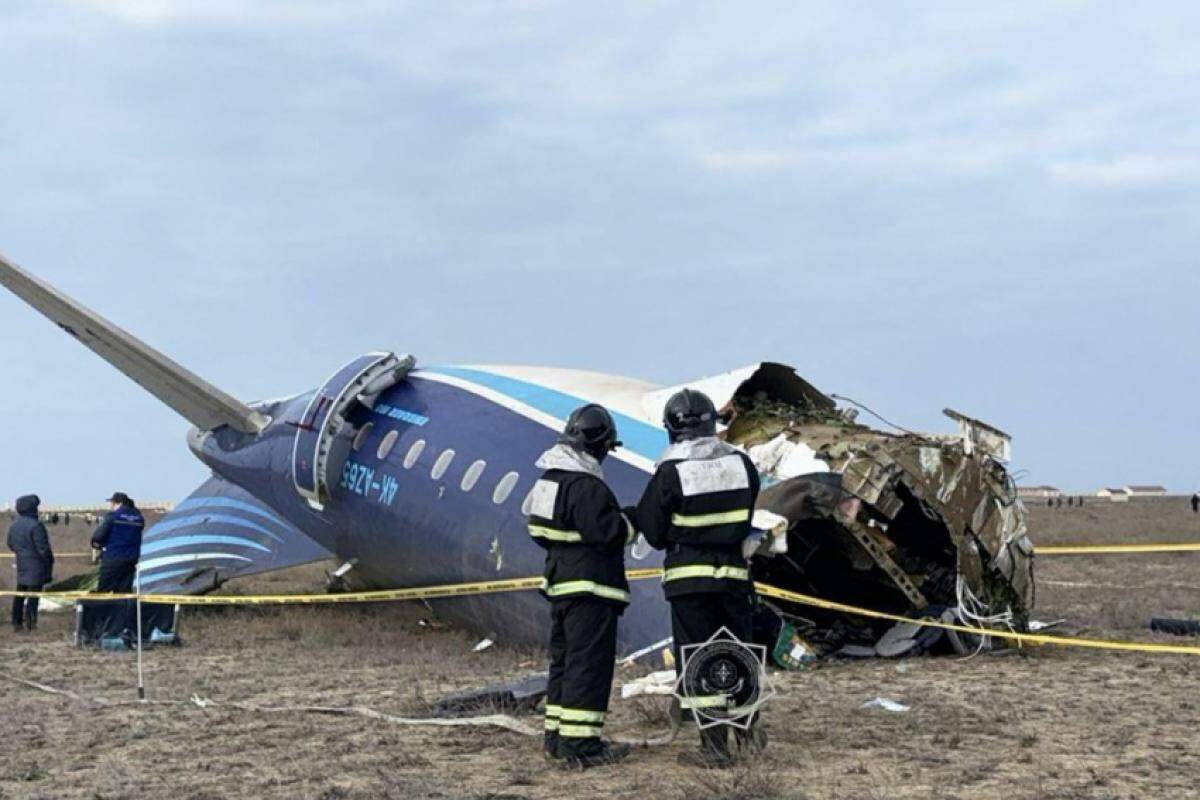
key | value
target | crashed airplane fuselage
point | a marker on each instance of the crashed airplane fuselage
(418, 476)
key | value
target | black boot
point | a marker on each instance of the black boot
(607, 754)
(550, 746)
(751, 742)
(713, 752)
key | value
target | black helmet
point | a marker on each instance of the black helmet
(689, 415)
(591, 429)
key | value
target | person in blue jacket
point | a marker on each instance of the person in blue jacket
(35, 561)
(119, 538)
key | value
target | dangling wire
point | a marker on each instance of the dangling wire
(972, 612)
(874, 414)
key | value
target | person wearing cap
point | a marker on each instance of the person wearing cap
(119, 540)
(35, 561)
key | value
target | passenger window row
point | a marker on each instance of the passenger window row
(504, 487)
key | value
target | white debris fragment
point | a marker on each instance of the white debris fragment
(886, 705)
(49, 605)
(647, 650)
(931, 460)
(641, 548)
(1036, 625)
(776, 528)
(656, 683)
(782, 458)
(483, 645)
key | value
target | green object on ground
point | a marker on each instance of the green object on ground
(791, 651)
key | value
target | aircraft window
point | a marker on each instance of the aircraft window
(504, 487)
(472, 476)
(442, 464)
(414, 453)
(389, 442)
(363, 435)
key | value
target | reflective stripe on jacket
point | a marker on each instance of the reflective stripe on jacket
(698, 510)
(576, 518)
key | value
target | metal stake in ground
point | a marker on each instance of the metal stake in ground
(141, 684)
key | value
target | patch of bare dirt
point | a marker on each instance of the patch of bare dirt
(1048, 723)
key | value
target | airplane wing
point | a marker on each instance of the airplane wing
(194, 398)
(220, 532)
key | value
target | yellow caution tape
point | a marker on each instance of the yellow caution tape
(1035, 638)
(1044, 550)
(524, 584)
(378, 596)
(1090, 549)
(56, 555)
(384, 595)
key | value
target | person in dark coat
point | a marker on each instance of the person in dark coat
(27, 539)
(119, 538)
(1196, 503)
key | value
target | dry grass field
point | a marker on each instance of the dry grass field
(1048, 723)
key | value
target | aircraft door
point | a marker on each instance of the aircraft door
(359, 382)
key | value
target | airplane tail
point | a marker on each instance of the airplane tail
(220, 532)
(194, 398)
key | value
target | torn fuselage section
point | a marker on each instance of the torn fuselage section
(907, 523)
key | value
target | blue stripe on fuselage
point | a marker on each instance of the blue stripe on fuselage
(640, 437)
(152, 577)
(175, 523)
(205, 538)
(229, 502)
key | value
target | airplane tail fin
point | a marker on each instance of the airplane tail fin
(195, 399)
(220, 532)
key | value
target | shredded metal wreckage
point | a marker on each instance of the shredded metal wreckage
(920, 525)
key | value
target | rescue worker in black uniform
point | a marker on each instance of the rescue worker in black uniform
(698, 508)
(576, 518)
(118, 537)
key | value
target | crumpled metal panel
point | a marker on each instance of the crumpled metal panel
(959, 482)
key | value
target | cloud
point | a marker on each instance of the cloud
(157, 13)
(351, 175)
(1132, 171)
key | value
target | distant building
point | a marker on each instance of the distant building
(1026, 492)
(1117, 495)
(1146, 491)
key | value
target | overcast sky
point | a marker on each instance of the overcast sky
(986, 206)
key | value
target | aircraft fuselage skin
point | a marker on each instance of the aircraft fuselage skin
(404, 527)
